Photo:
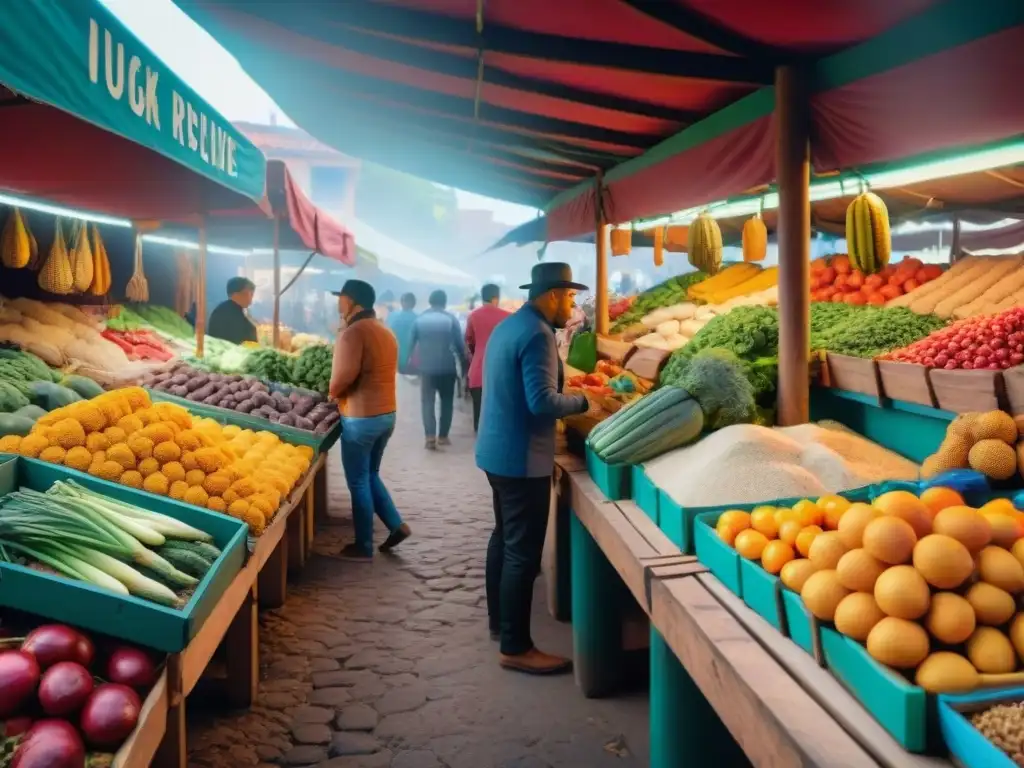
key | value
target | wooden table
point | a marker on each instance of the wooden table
(726, 688)
(262, 582)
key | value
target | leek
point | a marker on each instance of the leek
(135, 582)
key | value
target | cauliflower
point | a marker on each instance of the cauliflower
(188, 461)
(110, 470)
(115, 435)
(210, 460)
(148, 466)
(132, 478)
(254, 519)
(167, 451)
(141, 446)
(178, 490)
(195, 477)
(216, 483)
(157, 483)
(67, 433)
(90, 417)
(216, 504)
(188, 440)
(197, 496)
(174, 471)
(160, 432)
(96, 441)
(130, 424)
(53, 454)
(137, 397)
(78, 458)
(122, 454)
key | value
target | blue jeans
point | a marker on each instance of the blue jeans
(363, 441)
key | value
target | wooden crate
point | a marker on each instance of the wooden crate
(854, 374)
(906, 382)
(964, 391)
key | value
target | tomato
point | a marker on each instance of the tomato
(911, 263)
(855, 279)
(874, 281)
(928, 272)
(876, 299)
(951, 365)
(828, 293)
(856, 299)
(819, 265)
(891, 291)
(840, 283)
(841, 264)
(910, 285)
(828, 276)
(941, 359)
(887, 272)
(1016, 358)
(838, 297)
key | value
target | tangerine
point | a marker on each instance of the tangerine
(750, 544)
(789, 530)
(726, 533)
(938, 498)
(762, 520)
(806, 537)
(776, 554)
(809, 512)
(832, 507)
(784, 514)
(736, 519)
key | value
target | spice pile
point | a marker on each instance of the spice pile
(1003, 725)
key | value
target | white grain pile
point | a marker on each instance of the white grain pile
(744, 464)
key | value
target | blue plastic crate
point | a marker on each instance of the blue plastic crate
(802, 627)
(898, 705)
(128, 618)
(722, 559)
(965, 742)
(761, 591)
(612, 479)
(645, 492)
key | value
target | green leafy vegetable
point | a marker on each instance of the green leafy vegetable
(672, 291)
(718, 380)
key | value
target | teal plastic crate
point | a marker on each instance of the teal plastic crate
(965, 742)
(612, 479)
(761, 591)
(898, 705)
(802, 627)
(293, 435)
(722, 559)
(645, 493)
(128, 618)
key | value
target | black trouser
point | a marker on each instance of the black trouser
(436, 387)
(514, 555)
(476, 394)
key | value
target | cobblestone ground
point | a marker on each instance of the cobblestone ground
(390, 664)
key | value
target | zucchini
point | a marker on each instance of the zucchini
(33, 412)
(83, 387)
(10, 424)
(206, 551)
(156, 576)
(185, 561)
(670, 429)
(619, 426)
(631, 431)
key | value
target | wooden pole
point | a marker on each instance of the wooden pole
(277, 281)
(794, 237)
(601, 281)
(201, 293)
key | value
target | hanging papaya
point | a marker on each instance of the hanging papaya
(100, 265)
(755, 239)
(677, 239)
(56, 275)
(705, 244)
(659, 246)
(868, 240)
(622, 241)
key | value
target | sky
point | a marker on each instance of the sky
(215, 75)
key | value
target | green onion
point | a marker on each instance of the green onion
(136, 583)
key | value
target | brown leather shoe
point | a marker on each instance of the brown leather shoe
(535, 662)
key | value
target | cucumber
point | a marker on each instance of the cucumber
(185, 561)
(206, 551)
(11, 424)
(83, 387)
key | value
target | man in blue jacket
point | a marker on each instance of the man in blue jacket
(436, 342)
(522, 399)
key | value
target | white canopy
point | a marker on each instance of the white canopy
(404, 262)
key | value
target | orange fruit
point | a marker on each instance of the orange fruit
(776, 554)
(762, 519)
(809, 512)
(832, 507)
(750, 544)
(806, 537)
(783, 514)
(726, 533)
(736, 519)
(1001, 506)
(938, 498)
(905, 505)
(789, 530)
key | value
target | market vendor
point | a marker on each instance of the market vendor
(230, 321)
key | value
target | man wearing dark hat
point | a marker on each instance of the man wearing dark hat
(521, 401)
(363, 382)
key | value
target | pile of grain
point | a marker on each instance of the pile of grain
(744, 464)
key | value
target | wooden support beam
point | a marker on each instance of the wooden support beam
(601, 321)
(793, 165)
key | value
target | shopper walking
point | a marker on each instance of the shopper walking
(401, 323)
(363, 382)
(521, 402)
(479, 326)
(436, 343)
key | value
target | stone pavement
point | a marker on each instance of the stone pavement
(390, 664)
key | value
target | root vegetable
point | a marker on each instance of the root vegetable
(110, 715)
(64, 688)
(19, 676)
(50, 744)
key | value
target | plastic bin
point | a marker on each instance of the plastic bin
(645, 493)
(612, 479)
(128, 618)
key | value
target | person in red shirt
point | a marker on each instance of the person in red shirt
(481, 322)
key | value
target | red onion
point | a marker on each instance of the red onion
(110, 715)
(51, 643)
(64, 688)
(50, 744)
(19, 676)
(132, 667)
